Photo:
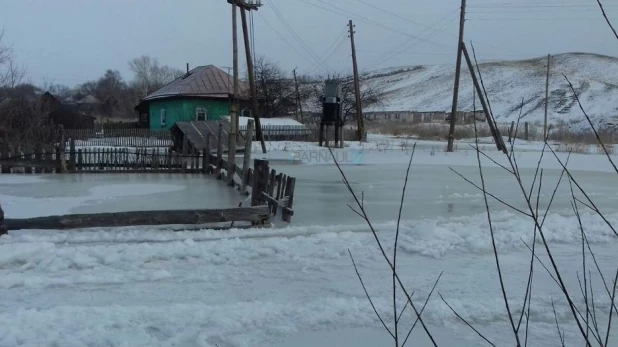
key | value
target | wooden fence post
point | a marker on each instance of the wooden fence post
(260, 181)
(38, 157)
(511, 132)
(526, 130)
(219, 151)
(286, 215)
(207, 155)
(3, 228)
(5, 167)
(62, 162)
(247, 156)
(72, 156)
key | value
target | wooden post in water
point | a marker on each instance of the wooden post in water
(38, 157)
(511, 134)
(247, 156)
(72, 156)
(286, 214)
(260, 181)
(3, 228)
(219, 151)
(207, 154)
(62, 160)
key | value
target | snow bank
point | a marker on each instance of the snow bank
(239, 289)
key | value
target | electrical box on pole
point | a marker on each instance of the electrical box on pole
(331, 110)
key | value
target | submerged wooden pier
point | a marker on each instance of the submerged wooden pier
(270, 191)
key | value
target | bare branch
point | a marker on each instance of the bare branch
(493, 240)
(607, 19)
(422, 308)
(465, 321)
(382, 250)
(368, 296)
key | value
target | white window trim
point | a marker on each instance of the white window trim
(163, 117)
(204, 110)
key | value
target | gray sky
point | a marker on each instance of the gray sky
(71, 41)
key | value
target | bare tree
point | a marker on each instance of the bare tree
(149, 76)
(11, 74)
(6, 52)
(609, 23)
(14, 74)
(275, 89)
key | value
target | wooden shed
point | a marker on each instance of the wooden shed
(191, 137)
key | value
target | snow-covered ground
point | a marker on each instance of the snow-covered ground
(295, 285)
(430, 87)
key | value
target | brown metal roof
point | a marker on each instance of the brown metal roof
(203, 81)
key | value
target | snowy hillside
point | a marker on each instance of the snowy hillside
(430, 88)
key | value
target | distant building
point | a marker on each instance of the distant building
(417, 117)
(204, 93)
(66, 115)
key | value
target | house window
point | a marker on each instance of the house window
(246, 112)
(200, 114)
(163, 118)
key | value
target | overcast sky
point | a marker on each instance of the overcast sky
(72, 41)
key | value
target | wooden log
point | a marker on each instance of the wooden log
(246, 162)
(260, 181)
(256, 214)
(287, 212)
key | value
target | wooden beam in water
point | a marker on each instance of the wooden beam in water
(137, 218)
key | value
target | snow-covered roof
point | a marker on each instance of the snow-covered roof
(286, 122)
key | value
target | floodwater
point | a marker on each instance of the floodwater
(432, 191)
(321, 198)
(294, 286)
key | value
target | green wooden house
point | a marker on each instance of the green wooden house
(204, 93)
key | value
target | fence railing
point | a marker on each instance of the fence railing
(299, 133)
(119, 137)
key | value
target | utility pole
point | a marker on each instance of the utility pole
(233, 136)
(360, 121)
(300, 105)
(245, 6)
(546, 96)
(451, 132)
(495, 132)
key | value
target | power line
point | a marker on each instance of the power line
(298, 38)
(304, 56)
(344, 12)
(408, 43)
